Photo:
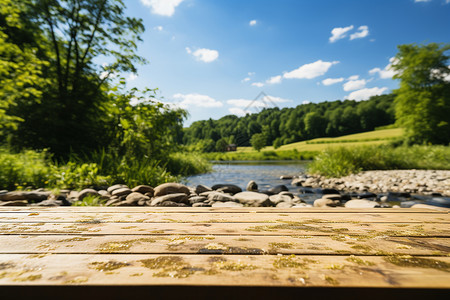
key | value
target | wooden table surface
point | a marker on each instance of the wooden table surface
(241, 247)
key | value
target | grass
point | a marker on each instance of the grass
(309, 149)
(342, 161)
(36, 169)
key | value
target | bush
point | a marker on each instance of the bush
(341, 161)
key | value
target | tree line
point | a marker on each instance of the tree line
(277, 127)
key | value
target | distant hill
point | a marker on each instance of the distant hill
(282, 127)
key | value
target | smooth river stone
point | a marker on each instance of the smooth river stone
(171, 188)
(253, 199)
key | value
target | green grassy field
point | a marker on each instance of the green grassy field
(375, 137)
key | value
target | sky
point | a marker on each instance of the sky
(214, 57)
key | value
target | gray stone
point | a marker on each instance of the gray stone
(197, 199)
(285, 177)
(87, 192)
(332, 196)
(284, 205)
(136, 197)
(361, 203)
(252, 186)
(143, 189)
(121, 192)
(14, 203)
(201, 189)
(49, 202)
(227, 188)
(112, 201)
(322, 202)
(12, 196)
(227, 204)
(116, 187)
(179, 197)
(201, 204)
(275, 199)
(253, 199)
(172, 204)
(171, 188)
(222, 197)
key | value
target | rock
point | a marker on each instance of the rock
(197, 199)
(14, 203)
(325, 191)
(87, 192)
(439, 201)
(286, 177)
(217, 196)
(201, 204)
(276, 199)
(121, 192)
(227, 188)
(322, 202)
(201, 189)
(112, 201)
(278, 189)
(171, 188)
(306, 190)
(383, 199)
(361, 203)
(284, 205)
(12, 196)
(116, 187)
(332, 196)
(143, 189)
(73, 195)
(104, 195)
(266, 192)
(366, 195)
(253, 199)
(302, 205)
(252, 186)
(206, 194)
(172, 204)
(50, 202)
(287, 194)
(178, 197)
(122, 203)
(227, 204)
(136, 197)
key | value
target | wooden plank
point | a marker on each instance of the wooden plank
(207, 210)
(225, 270)
(214, 217)
(95, 227)
(237, 245)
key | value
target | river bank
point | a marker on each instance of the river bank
(395, 188)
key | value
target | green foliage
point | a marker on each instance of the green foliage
(337, 162)
(258, 141)
(90, 200)
(423, 99)
(221, 145)
(261, 155)
(187, 163)
(289, 125)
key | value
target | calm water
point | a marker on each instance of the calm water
(265, 173)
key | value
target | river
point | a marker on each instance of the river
(265, 173)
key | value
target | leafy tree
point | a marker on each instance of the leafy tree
(423, 99)
(258, 141)
(221, 145)
(72, 112)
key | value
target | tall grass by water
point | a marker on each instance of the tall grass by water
(342, 161)
(35, 169)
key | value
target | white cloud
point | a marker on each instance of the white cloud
(203, 54)
(274, 79)
(162, 7)
(306, 102)
(159, 28)
(366, 93)
(426, 0)
(245, 103)
(251, 73)
(330, 81)
(188, 100)
(246, 79)
(132, 77)
(258, 84)
(339, 33)
(353, 77)
(253, 22)
(363, 32)
(237, 111)
(354, 85)
(311, 70)
(387, 72)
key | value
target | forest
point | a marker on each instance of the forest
(278, 127)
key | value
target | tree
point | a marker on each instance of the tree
(258, 141)
(72, 111)
(423, 99)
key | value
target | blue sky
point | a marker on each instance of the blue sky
(213, 57)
